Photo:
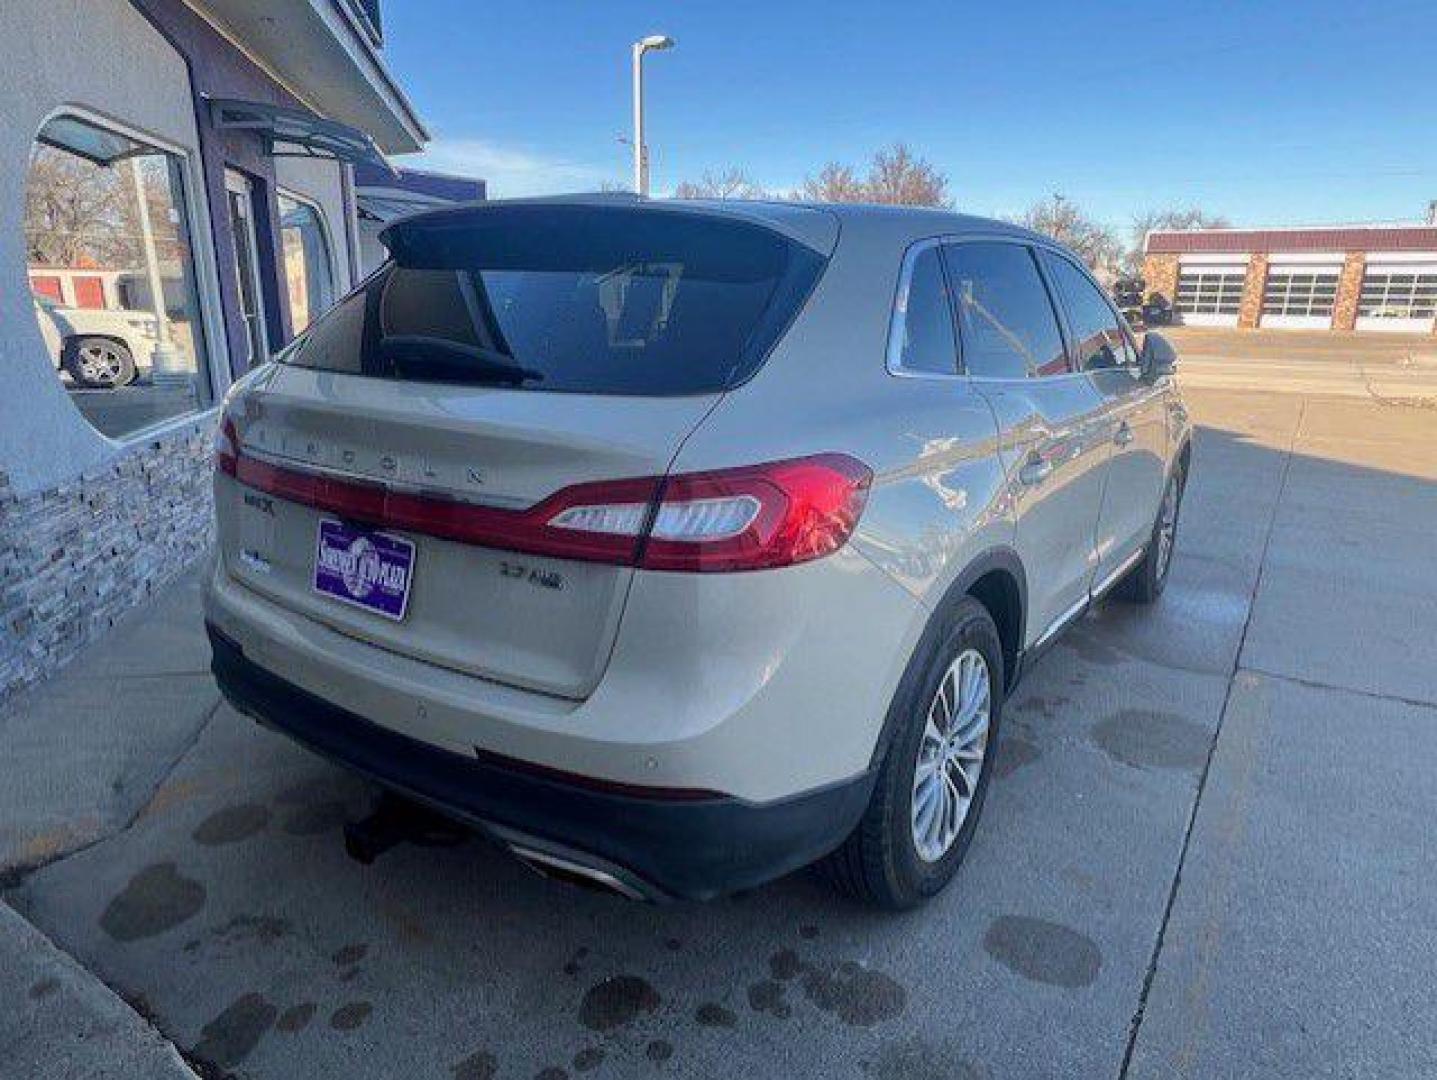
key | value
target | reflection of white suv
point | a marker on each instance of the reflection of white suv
(678, 545)
(97, 347)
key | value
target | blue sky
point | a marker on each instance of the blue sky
(1267, 112)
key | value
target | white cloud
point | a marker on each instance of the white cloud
(510, 171)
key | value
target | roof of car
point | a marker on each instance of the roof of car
(813, 223)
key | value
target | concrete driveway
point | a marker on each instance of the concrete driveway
(1208, 852)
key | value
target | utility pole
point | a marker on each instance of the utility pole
(652, 43)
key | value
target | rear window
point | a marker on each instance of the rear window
(598, 300)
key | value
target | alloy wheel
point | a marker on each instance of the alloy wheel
(951, 754)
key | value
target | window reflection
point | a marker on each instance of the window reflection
(111, 275)
(308, 269)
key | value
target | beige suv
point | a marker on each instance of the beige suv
(680, 545)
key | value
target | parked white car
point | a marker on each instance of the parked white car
(97, 347)
(679, 545)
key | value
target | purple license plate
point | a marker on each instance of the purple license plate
(368, 569)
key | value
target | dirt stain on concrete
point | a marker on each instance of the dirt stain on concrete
(245, 930)
(158, 898)
(350, 954)
(295, 1018)
(617, 1001)
(588, 1058)
(767, 996)
(43, 988)
(784, 965)
(1152, 740)
(350, 1016)
(480, 1065)
(232, 824)
(574, 964)
(659, 1051)
(1091, 650)
(1043, 951)
(857, 995)
(712, 1014)
(316, 818)
(552, 1072)
(230, 1037)
(1014, 752)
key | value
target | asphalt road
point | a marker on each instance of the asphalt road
(1207, 852)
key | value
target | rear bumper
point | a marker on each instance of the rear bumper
(658, 847)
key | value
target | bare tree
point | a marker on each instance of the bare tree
(897, 177)
(732, 183)
(1146, 222)
(1097, 245)
(834, 183)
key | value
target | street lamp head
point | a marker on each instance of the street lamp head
(656, 41)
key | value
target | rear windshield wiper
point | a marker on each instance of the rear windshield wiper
(419, 356)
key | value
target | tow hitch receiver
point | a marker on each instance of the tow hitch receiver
(397, 820)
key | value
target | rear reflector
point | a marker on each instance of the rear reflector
(750, 518)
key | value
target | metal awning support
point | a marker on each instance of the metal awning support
(296, 133)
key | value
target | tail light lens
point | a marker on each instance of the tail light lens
(750, 518)
(762, 516)
(226, 446)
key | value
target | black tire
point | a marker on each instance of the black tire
(879, 863)
(79, 359)
(1146, 581)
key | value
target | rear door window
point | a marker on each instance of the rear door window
(582, 299)
(1006, 321)
(1098, 337)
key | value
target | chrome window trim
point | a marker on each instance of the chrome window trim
(892, 358)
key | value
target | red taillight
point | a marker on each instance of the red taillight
(749, 518)
(757, 517)
(226, 446)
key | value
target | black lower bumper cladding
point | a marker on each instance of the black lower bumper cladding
(659, 846)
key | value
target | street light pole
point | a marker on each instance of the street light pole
(653, 42)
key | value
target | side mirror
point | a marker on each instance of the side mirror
(1158, 359)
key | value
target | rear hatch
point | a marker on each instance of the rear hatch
(394, 464)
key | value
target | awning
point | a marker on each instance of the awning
(296, 133)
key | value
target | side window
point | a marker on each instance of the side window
(922, 334)
(1098, 337)
(1005, 319)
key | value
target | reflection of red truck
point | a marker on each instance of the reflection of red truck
(96, 347)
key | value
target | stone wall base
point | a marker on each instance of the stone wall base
(75, 558)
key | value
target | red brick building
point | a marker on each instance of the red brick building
(1366, 278)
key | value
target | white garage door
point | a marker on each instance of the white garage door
(1300, 296)
(1398, 297)
(1209, 294)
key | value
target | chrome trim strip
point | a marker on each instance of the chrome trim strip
(1060, 622)
(302, 465)
(1113, 578)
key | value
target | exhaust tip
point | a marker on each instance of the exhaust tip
(558, 868)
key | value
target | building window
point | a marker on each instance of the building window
(308, 264)
(1300, 293)
(1391, 294)
(1210, 290)
(112, 275)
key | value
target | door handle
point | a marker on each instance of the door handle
(1035, 470)
(1124, 434)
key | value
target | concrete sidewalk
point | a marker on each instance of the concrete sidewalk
(59, 1021)
(1206, 852)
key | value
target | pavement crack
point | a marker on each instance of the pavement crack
(1314, 684)
(12, 877)
(1135, 1025)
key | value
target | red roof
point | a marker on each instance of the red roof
(1343, 238)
